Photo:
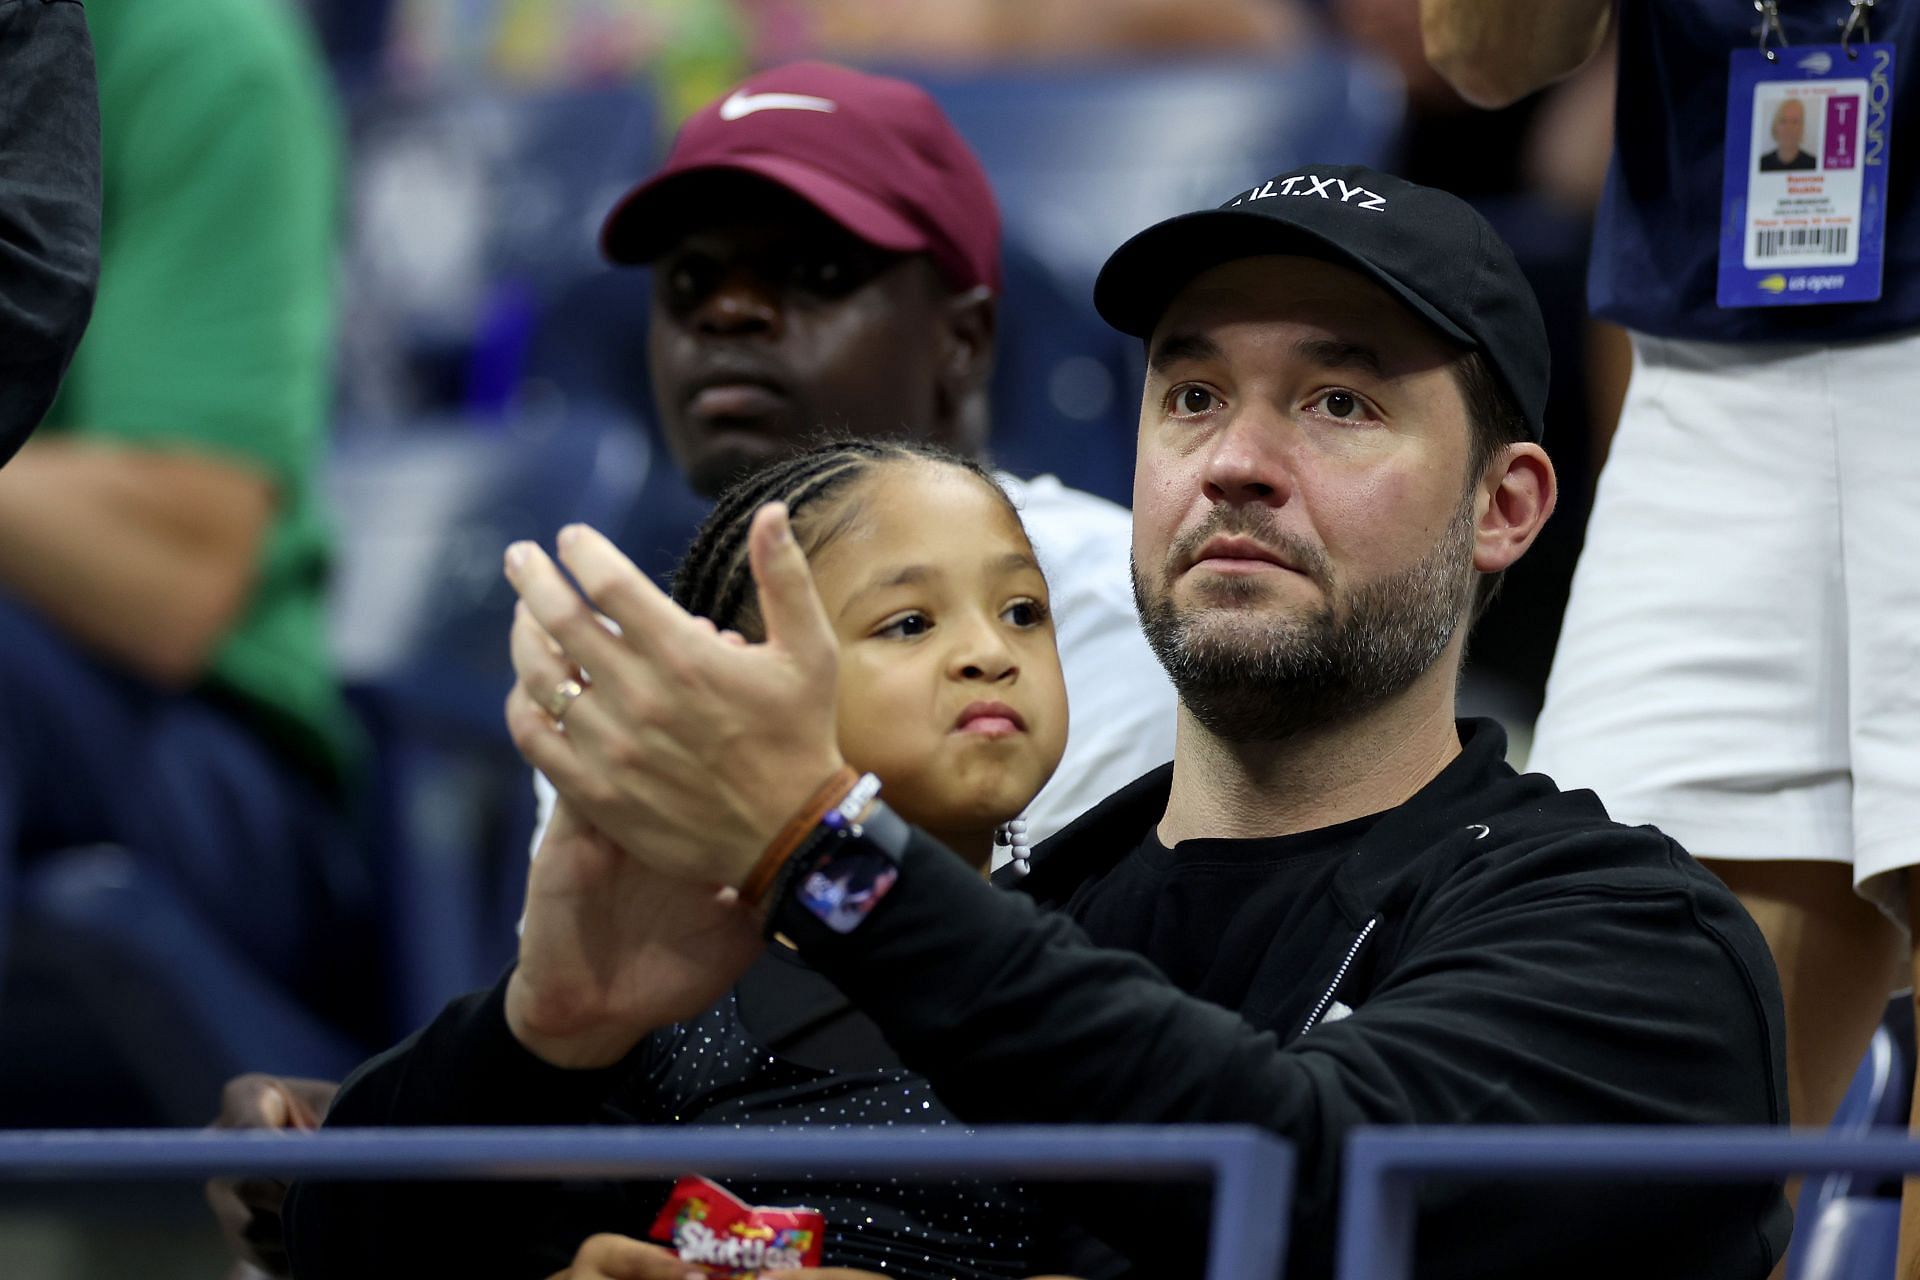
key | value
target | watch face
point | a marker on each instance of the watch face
(846, 883)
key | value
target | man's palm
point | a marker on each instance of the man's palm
(612, 950)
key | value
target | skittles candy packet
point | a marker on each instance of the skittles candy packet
(714, 1231)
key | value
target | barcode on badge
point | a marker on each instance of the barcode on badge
(1823, 240)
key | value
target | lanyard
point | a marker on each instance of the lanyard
(1854, 27)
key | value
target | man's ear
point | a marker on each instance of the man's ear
(1516, 495)
(969, 321)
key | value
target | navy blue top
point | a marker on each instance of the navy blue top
(1656, 243)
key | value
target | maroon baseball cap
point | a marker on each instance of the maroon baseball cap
(876, 155)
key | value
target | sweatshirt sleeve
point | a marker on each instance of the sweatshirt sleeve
(1523, 1002)
(463, 1068)
(49, 205)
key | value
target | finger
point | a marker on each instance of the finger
(600, 721)
(311, 1099)
(538, 637)
(562, 612)
(546, 746)
(624, 1258)
(249, 1213)
(252, 1101)
(539, 663)
(230, 1211)
(651, 622)
(789, 603)
(262, 1194)
(264, 1270)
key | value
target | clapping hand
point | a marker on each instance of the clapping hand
(687, 748)
(612, 949)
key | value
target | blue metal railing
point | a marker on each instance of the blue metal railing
(1383, 1168)
(1251, 1172)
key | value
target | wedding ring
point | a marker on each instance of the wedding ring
(562, 698)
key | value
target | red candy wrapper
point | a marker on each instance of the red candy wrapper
(714, 1231)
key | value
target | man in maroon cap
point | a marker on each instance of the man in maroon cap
(827, 254)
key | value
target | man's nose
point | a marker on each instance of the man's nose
(741, 304)
(1248, 461)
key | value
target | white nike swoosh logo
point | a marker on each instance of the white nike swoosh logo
(741, 103)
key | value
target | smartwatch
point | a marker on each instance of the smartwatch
(848, 863)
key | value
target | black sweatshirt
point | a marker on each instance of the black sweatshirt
(1509, 955)
(49, 203)
(1493, 951)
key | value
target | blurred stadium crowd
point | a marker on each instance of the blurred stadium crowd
(485, 380)
(355, 335)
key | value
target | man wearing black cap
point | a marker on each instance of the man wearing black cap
(1337, 906)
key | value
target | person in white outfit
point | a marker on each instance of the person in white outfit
(1739, 658)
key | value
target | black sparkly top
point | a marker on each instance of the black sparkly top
(783, 1048)
(786, 1048)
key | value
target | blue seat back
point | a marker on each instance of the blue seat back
(1844, 1229)
(421, 615)
(470, 207)
(1081, 157)
(420, 608)
(1066, 388)
(1849, 1238)
(166, 1009)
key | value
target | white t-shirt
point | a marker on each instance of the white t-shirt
(1120, 702)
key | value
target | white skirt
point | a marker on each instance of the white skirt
(1740, 662)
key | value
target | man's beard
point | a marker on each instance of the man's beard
(1248, 676)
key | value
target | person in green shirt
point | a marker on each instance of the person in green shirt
(162, 549)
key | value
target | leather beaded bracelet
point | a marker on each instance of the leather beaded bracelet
(824, 800)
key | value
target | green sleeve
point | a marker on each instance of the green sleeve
(213, 324)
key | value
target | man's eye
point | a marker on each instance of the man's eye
(688, 280)
(834, 272)
(907, 626)
(1193, 400)
(1341, 404)
(822, 275)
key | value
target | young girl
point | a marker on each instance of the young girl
(950, 691)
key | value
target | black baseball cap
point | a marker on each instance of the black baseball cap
(1425, 246)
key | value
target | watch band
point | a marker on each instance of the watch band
(843, 870)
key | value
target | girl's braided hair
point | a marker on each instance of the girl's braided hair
(714, 580)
